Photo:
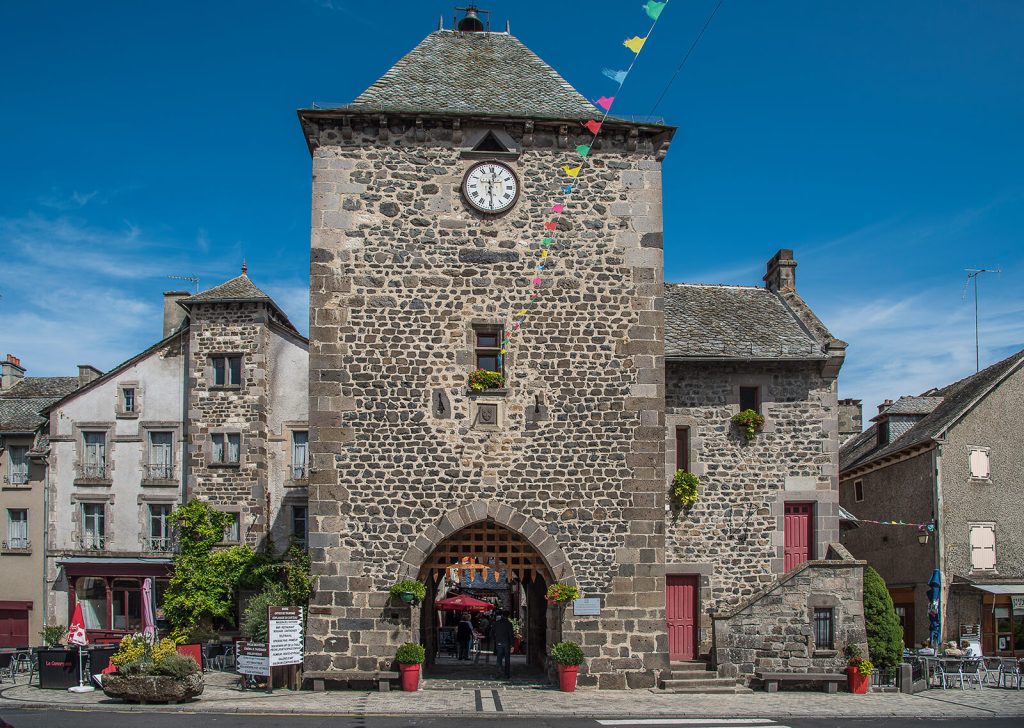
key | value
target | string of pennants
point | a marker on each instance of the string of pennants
(574, 169)
(930, 526)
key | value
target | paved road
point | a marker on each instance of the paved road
(101, 719)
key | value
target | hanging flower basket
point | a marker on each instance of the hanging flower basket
(483, 379)
(684, 489)
(750, 422)
(409, 591)
(559, 593)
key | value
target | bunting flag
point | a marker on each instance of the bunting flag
(635, 43)
(618, 77)
(653, 8)
(930, 526)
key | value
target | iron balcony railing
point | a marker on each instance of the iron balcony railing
(93, 542)
(17, 543)
(298, 472)
(159, 471)
(17, 478)
(163, 544)
(94, 471)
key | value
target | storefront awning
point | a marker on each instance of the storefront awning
(1001, 588)
(115, 566)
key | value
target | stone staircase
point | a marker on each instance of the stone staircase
(696, 676)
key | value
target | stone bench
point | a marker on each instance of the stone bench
(383, 678)
(830, 680)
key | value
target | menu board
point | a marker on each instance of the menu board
(285, 636)
(252, 659)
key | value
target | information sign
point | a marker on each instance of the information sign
(587, 607)
(1018, 604)
(252, 658)
(285, 635)
(970, 631)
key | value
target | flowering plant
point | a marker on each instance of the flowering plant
(483, 379)
(559, 593)
(142, 654)
(752, 422)
(684, 488)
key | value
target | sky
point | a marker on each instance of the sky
(881, 141)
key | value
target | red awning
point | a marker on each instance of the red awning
(463, 603)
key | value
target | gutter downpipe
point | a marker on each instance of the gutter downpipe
(940, 551)
(46, 533)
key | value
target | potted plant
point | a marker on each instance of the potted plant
(409, 657)
(53, 634)
(750, 422)
(517, 635)
(858, 671)
(409, 591)
(151, 671)
(561, 594)
(568, 656)
(684, 489)
(484, 379)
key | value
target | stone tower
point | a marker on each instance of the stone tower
(558, 475)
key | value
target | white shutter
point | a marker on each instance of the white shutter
(979, 463)
(983, 547)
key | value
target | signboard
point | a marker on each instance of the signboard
(970, 631)
(285, 636)
(1018, 604)
(587, 607)
(252, 658)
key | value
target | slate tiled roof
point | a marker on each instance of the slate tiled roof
(911, 406)
(955, 400)
(734, 322)
(237, 289)
(21, 404)
(474, 73)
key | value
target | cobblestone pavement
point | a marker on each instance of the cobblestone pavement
(222, 696)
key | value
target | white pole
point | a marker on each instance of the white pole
(81, 687)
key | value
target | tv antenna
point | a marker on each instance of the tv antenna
(191, 279)
(973, 274)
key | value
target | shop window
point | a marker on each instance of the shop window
(750, 399)
(488, 348)
(683, 449)
(17, 465)
(979, 463)
(227, 371)
(983, 547)
(824, 628)
(227, 448)
(858, 490)
(91, 593)
(300, 454)
(126, 605)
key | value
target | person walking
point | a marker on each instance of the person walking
(464, 635)
(502, 635)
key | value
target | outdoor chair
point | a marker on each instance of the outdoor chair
(990, 670)
(7, 666)
(23, 661)
(948, 672)
(1009, 669)
(226, 658)
(970, 672)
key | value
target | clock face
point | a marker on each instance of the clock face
(490, 187)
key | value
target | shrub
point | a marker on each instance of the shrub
(885, 635)
(411, 654)
(559, 593)
(254, 618)
(53, 634)
(140, 654)
(409, 586)
(750, 421)
(684, 488)
(483, 379)
(176, 665)
(567, 653)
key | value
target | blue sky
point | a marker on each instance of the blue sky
(881, 141)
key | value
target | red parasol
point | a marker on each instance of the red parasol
(463, 603)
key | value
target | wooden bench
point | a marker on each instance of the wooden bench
(383, 678)
(830, 680)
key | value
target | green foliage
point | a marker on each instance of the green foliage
(483, 379)
(53, 634)
(177, 666)
(254, 618)
(411, 654)
(297, 577)
(885, 635)
(750, 421)
(684, 489)
(409, 586)
(199, 527)
(567, 653)
(140, 654)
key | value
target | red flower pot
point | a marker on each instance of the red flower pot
(855, 682)
(195, 651)
(410, 677)
(567, 678)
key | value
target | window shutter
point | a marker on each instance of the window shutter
(979, 463)
(983, 547)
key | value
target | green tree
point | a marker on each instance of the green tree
(885, 635)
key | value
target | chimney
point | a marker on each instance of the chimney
(174, 314)
(11, 372)
(781, 275)
(87, 373)
(851, 419)
(884, 406)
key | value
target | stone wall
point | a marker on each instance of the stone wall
(401, 271)
(734, 534)
(773, 631)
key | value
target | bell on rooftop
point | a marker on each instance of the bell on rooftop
(471, 22)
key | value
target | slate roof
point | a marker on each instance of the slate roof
(21, 404)
(954, 400)
(734, 322)
(490, 74)
(910, 406)
(238, 290)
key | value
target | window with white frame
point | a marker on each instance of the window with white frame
(300, 525)
(128, 404)
(227, 371)
(233, 531)
(17, 465)
(983, 546)
(300, 454)
(161, 454)
(227, 448)
(94, 454)
(159, 527)
(17, 528)
(979, 464)
(94, 526)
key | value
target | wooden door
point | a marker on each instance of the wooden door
(14, 628)
(681, 597)
(799, 526)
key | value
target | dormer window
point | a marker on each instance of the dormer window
(883, 433)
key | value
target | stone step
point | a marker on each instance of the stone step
(718, 690)
(699, 683)
(701, 671)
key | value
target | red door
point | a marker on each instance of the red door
(14, 628)
(799, 534)
(681, 595)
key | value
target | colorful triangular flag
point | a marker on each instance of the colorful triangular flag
(572, 171)
(618, 76)
(583, 149)
(593, 126)
(558, 208)
(605, 102)
(653, 8)
(635, 43)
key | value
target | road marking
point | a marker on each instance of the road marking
(703, 722)
(488, 703)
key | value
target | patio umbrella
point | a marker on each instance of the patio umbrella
(463, 603)
(148, 623)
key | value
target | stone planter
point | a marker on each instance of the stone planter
(153, 688)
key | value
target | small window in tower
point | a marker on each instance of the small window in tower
(488, 348)
(750, 399)
(489, 143)
(858, 490)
